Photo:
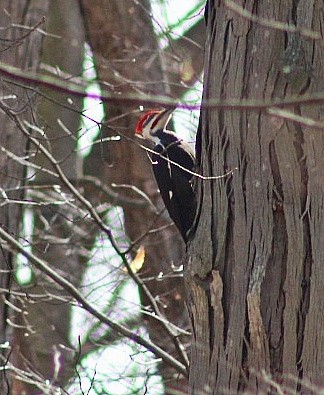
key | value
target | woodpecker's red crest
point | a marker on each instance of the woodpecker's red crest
(153, 121)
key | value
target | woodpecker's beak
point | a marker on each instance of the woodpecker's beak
(163, 118)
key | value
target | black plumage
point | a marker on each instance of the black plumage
(173, 163)
(173, 157)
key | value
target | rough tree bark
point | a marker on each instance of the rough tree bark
(255, 275)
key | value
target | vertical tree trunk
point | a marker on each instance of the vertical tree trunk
(127, 58)
(37, 345)
(23, 53)
(255, 275)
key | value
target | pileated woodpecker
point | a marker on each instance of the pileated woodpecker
(171, 159)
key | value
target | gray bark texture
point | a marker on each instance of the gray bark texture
(256, 274)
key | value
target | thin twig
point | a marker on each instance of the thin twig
(115, 197)
(271, 23)
(300, 120)
(95, 216)
(194, 174)
(73, 291)
(24, 36)
(150, 100)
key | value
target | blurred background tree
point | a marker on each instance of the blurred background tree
(129, 49)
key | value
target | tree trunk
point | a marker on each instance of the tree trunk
(255, 274)
(23, 53)
(127, 58)
(42, 330)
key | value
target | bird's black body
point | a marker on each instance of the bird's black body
(174, 181)
(173, 163)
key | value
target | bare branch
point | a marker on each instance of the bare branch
(95, 216)
(150, 100)
(272, 23)
(300, 120)
(73, 291)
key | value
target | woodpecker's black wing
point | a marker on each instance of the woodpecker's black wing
(174, 181)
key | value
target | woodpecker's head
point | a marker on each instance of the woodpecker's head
(152, 122)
